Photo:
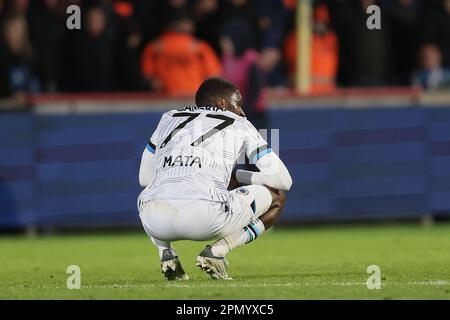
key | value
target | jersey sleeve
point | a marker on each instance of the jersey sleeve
(154, 140)
(255, 145)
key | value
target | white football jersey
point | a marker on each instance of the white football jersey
(196, 149)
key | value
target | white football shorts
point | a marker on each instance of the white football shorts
(188, 219)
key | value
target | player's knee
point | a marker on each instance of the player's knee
(276, 208)
(278, 199)
(282, 198)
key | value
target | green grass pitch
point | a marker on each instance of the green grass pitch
(304, 263)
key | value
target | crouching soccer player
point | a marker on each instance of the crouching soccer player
(186, 169)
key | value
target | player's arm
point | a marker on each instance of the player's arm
(272, 171)
(146, 169)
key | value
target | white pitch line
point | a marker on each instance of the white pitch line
(431, 283)
(228, 284)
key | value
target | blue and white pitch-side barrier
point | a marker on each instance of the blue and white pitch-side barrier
(346, 164)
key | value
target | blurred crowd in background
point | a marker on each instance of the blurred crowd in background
(171, 46)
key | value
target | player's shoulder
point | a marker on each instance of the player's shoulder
(239, 121)
(248, 125)
(214, 110)
(169, 113)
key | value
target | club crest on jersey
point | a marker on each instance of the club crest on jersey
(243, 191)
(182, 161)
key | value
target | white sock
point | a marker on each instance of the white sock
(240, 237)
(162, 245)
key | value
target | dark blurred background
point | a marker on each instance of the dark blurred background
(368, 139)
(128, 45)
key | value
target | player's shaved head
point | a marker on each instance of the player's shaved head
(218, 92)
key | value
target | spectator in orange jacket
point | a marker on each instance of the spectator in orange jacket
(324, 53)
(177, 63)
